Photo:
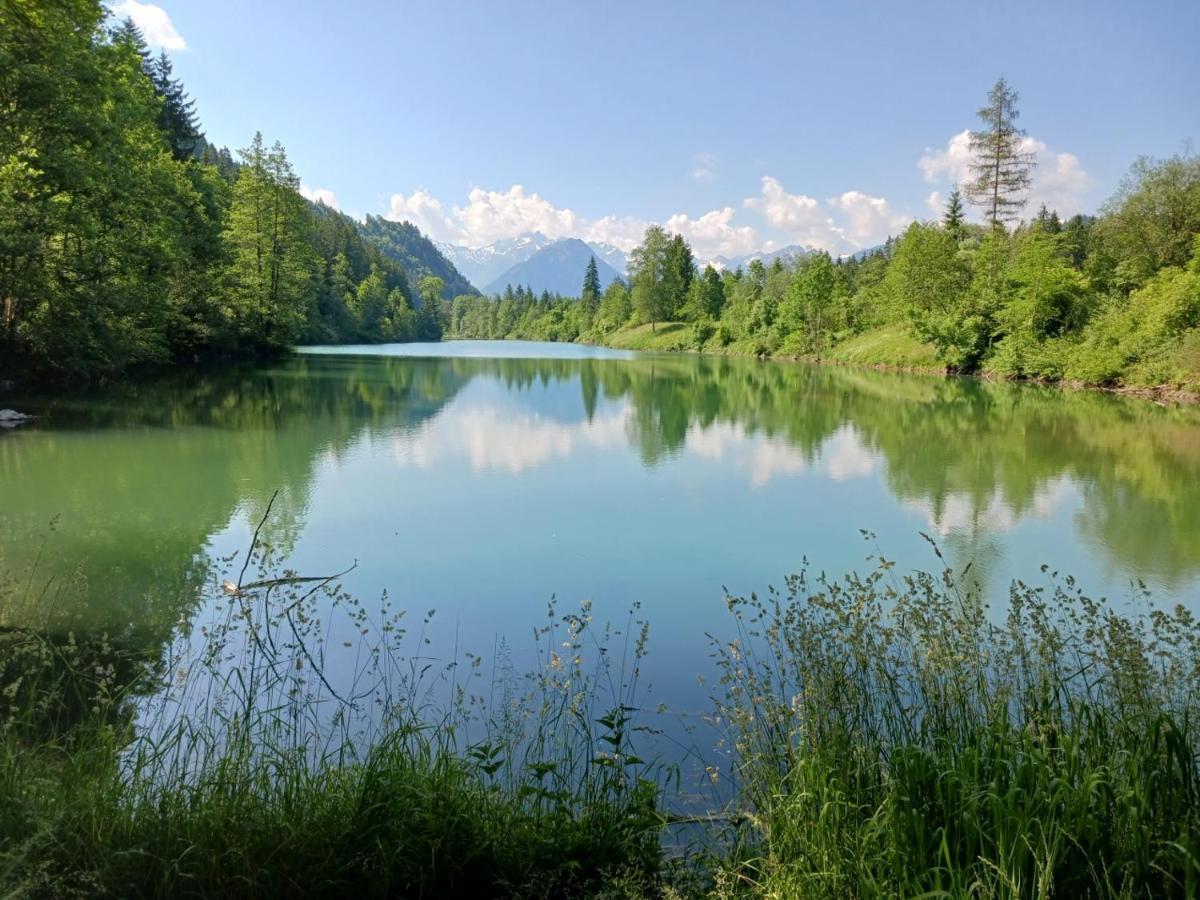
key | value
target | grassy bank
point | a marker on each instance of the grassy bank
(890, 736)
(1171, 372)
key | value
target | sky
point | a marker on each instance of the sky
(743, 126)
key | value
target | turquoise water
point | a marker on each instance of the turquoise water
(482, 479)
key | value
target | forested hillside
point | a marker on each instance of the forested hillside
(126, 238)
(1111, 299)
(404, 243)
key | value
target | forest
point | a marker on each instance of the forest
(1110, 299)
(127, 239)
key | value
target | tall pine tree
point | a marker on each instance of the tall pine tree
(1001, 170)
(591, 282)
(178, 116)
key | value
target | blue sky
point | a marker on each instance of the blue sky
(740, 125)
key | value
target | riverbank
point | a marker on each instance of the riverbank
(888, 739)
(892, 348)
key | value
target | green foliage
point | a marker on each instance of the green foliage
(806, 312)
(653, 277)
(954, 219)
(1047, 301)
(890, 736)
(591, 283)
(126, 238)
(1152, 220)
(893, 739)
(403, 243)
(932, 284)
(1144, 325)
(256, 777)
(271, 277)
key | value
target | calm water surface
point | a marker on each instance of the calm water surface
(481, 479)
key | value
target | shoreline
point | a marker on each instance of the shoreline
(1163, 394)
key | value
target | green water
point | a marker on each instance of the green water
(482, 479)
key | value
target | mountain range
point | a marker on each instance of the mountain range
(491, 265)
(789, 254)
(557, 268)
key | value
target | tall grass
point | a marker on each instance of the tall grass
(294, 742)
(891, 736)
(896, 738)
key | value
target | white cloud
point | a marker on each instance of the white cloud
(789, 212)
(936, 203)
(704, 167)
(714, 234)
(1059, 180)
(323, 195)
(952, 164)
(625, 232)
(490, 216)
(154, 23)
(867, 220)
(426, 212)
(850, 221)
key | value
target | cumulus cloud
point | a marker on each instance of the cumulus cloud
(936, 203)
(867, 220)
(789, 212)
(490, 216)
(625, 232)
(714, 234)
(850, 221)
(1059, 181)
(427, 213)
(322, 195)
(951, 164)
(155, 24)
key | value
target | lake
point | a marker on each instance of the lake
(482, 479)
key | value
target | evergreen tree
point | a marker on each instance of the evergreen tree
(1001, 171)
(178, 116)
(681, 270)
(954, 219)
(128, 33)
(591, 282)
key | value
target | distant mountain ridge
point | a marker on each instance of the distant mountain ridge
(403, 242)
(558, 268)
(789, 254)
(484, 265)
